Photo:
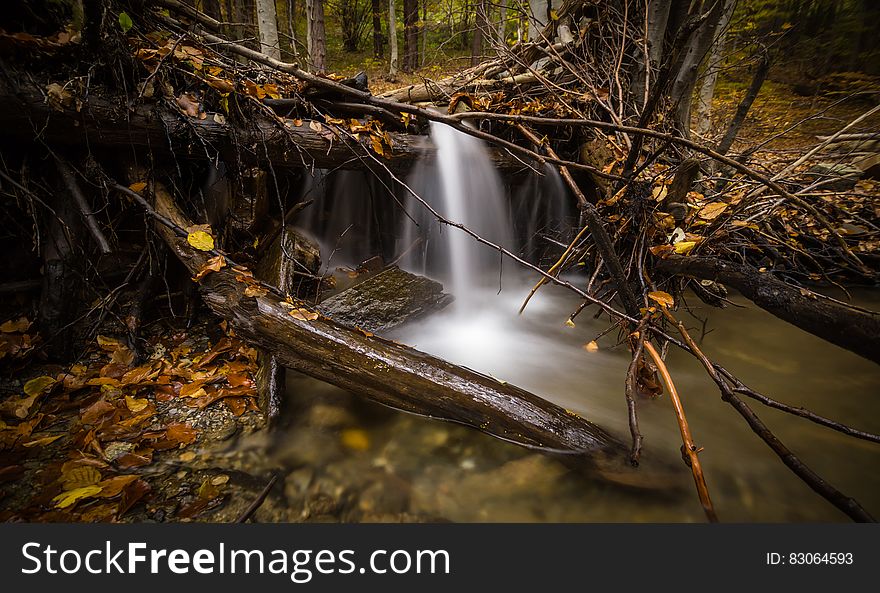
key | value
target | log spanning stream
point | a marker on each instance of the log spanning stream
(395, 465)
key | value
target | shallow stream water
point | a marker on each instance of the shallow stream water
(440, 471)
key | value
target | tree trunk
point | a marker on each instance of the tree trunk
(743, 109)
(267, 26)
(657, 18)
(317, 38)
(697, 47)
(424, 30)
(481, 26)
(392, 37)
(539, 17)
(291, 27)
(502, 22)
(410, 35)
(710, 77)
(378, 39)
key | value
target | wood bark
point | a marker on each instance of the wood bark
(695, 51)
(317, 37)
(390, 373)
(851, 329)
(410, 35)
(710, 76)
(378, 37)
(393, 63)
(267, 27)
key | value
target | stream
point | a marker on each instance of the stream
(349, 460)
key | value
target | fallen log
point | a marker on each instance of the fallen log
(157, 128)
(390, 373)
(852, 329)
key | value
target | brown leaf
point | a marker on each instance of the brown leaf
(131, 494)
(190, 106)
(663, 298)
(303, 314)
(214, 264)
(19, 325)
(712, 210)
(113, 486)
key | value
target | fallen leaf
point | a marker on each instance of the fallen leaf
(684, 247)
(255, 290)
(214, 264)
(591, 346)
(114, 486)
(80, 477)
(70, 497)
(712, 210)
(201, 240)
(38, 385)
(303, 314)
(43, 441)
(131, 494)
(135, 404)
(20, 325)
(663, 298)
(659, 192)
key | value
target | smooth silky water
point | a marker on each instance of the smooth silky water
(447, 472)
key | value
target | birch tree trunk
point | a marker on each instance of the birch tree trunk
(291, 28)
(697, 47)
(539, 17)
(267, 26)
(707, 89)
(502, 21)
(392, 37)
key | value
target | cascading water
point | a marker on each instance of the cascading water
(462, 185)
(341, 218)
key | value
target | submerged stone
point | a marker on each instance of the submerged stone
(386, 300)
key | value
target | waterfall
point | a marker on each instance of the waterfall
(461, 183)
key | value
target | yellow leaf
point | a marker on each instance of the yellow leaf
(66, 499)
(38, 385)
(712, 210)
(684, 247)
(201, 240)
(663, 298)
(316, 126)
(569, 323)
(659, 192)
(591, 346)
(136, 404)
(43, 441)
(137, 187)
(303, 314)
(356, 439)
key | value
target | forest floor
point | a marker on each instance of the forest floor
(112, 438)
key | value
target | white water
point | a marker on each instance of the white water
(462, 185)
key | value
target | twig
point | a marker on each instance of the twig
(83, 205)
(689, 449)
(258, 501)
(630, 391)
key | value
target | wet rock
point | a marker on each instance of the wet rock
(386, 300)
(298, 482)
(388, 495)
